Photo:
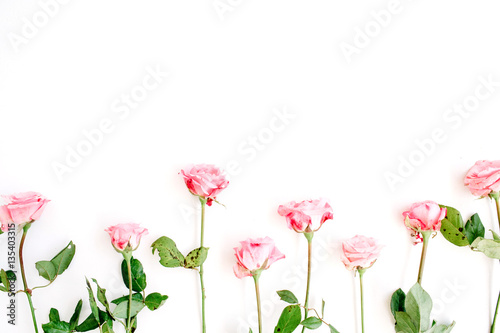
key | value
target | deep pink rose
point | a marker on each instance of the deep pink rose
(424, 216)
(21, 208)
(126, 234)
(205, 180)
(360, 252)
(255, 255)
(308, 213)
(483, 178)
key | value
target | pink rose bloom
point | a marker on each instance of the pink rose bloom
(205, 180)
(424, 216)
(308, 213)
(255, 255)
(360, 252)
(126, 234)
(483, 178)
(21, 208)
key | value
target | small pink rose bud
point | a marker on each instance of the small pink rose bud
(254, 256)
(205, 180)
(126, 236)
(21, 208)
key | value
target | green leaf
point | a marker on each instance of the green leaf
(453, 234)
(196, 257)
(453, 216)
(418, 306)
(121, 309)
(47, 270)
(289, 319)
(250, 331)
(5, 280)
(138, 275)
(490, 247)
(101, 296)
(155, 300)
(474, 228)
(106, 328)
(311, 323)
(11, 275)
(333, 329)
(54, 315)
(93, 304)
(404, 324)
(398, 302)
(287, 296)
(88, 324)
(170, 256)
(56, 327)
(73, 322)
(441, 328)
(495, 235)
(135, 297)
(322, 308)
(62, 260)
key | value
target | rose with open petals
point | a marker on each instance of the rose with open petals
(424, 216)
(306, 216)
(254, 256)
(360, 252)
(205, 181)
(483, 178)
(21, 208)
(126, 236)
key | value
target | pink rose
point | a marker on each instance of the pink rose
(126, 234)
(360, 252)
(302, 216)
(255, 255)
(424, 216)
(483, 178)
(205, 181)
(21, 208)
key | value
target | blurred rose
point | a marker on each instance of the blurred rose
(126, 234)
(424, 216)
(483, 178)
(255, 255)
(360, 252)
(21, 208)
(308, 213)
(205, 180)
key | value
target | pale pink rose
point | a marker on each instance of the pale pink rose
(360, 252)
(308, 213)
(424, 216)
(205, 180)
(483, 178)
(255, 255)
(21, 208)
(126, 234)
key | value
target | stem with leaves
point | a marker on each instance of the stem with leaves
(309, 237)
(496, 198)
(426, 235)
(256, 277)
(203, 204)
(361, 273)
(128, 258)
(26, 290)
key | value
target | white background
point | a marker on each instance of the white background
(352, 121)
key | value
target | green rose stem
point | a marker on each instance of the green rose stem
(361, 273)
(496, 196)
(203, 203)
(26, 290)
(128, 257)
(309, 236)
(426, 235)
(256, 277)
